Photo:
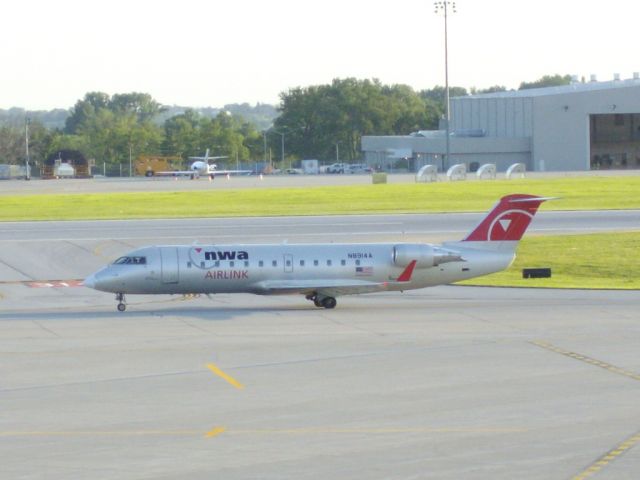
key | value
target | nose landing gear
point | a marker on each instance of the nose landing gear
(122, 306)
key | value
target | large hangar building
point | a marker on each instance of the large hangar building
(576, 127)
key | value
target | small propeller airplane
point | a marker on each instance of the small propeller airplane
(321, 272)
(201, 167)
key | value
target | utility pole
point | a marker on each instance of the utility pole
(443, 6)
(27, 171)
(264, 136)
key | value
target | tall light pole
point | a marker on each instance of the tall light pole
(27, 171)
(130, 164)
(281, 145)
(264, 135)
(444, 6)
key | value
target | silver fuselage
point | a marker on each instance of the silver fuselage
(180, 269)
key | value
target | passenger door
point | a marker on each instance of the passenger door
(170, 270)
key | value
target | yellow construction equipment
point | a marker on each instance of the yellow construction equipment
(149, 165)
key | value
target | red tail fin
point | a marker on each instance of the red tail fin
(508, 220)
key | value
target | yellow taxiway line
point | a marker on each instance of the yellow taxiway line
(608, 457)
(215, 369)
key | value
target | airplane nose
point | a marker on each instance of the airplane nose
(90, 281)
(105, 280)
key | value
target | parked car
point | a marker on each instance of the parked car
(359, 168)
(337, 168)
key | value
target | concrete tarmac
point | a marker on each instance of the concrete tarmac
(443, 383)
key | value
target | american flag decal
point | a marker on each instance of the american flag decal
(364, 271)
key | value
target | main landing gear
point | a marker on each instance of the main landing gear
(122, 306)
(322, 301)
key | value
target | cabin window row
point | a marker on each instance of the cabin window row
(274, 263)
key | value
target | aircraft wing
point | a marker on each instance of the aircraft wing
(228, 172)
(331, 287)
(327, 287)
(176, 173)
(206, 158)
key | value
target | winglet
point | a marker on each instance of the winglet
(405, 276)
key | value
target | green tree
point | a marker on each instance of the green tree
(435, 100)
(13, 143)
(84, 110)
(317, 118)
(113, 129)
(494, 89)
(141, 105)
(191, 133)
(547, 81)
(181, 134)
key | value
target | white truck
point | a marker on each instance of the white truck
(337, 168)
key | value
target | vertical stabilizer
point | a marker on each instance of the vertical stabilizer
(506, 223)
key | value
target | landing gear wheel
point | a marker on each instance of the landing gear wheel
(329, 302)
(121, 302)
(314, 298)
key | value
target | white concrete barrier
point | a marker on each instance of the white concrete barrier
(516, 170)
(457, 172)
(487, 171)
(428, 173)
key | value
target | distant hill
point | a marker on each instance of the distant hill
(49, 118)
(261, 115)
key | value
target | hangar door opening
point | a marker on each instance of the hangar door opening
(615, 141)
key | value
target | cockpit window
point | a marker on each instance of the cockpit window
(131, 260)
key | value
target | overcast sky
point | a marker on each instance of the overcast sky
(210, 52)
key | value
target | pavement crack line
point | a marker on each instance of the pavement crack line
(48, 330)
(73, 244)
(17, 270)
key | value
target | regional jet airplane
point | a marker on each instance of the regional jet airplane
(321, 272)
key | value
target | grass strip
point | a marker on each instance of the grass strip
(577, 193)
(599, 261)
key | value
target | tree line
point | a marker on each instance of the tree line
(322, 122)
